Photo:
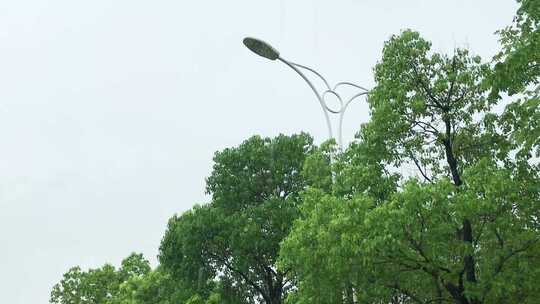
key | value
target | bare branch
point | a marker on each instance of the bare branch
(420, 168)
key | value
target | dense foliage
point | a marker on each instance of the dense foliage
(98, 286)
(465, 228)
(255, 191)
(518, 63)
(436, 201)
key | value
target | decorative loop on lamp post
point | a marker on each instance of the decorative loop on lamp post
(325, 93)
(265, 50)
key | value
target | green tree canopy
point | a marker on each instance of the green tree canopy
(154, 287)
(463, 229)
(436, 201)
(518, 64)
(97, 286)
(517, 72)
(255, 189)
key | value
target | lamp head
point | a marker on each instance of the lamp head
(261, 48)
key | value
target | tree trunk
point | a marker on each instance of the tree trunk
(466, 231)
(275, 294)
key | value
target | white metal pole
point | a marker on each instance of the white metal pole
(317, 94)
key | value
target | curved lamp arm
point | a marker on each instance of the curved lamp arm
(317, 94)
(342, 113)
(265, 50)
(349, 84)
(321, 97)
(312, 71)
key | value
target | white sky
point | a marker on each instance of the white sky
(110, 111)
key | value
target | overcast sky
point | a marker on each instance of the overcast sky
(110, 111)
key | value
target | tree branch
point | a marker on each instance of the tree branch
(419, 168)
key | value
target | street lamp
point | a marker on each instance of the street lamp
(265, 50)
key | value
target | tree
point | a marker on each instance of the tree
(518, 64)
(463, 230)
(517, 68)
(517, 72)
(154, 287)
(437, 200)
(97, 286)
(223, 293)
(255, 190)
